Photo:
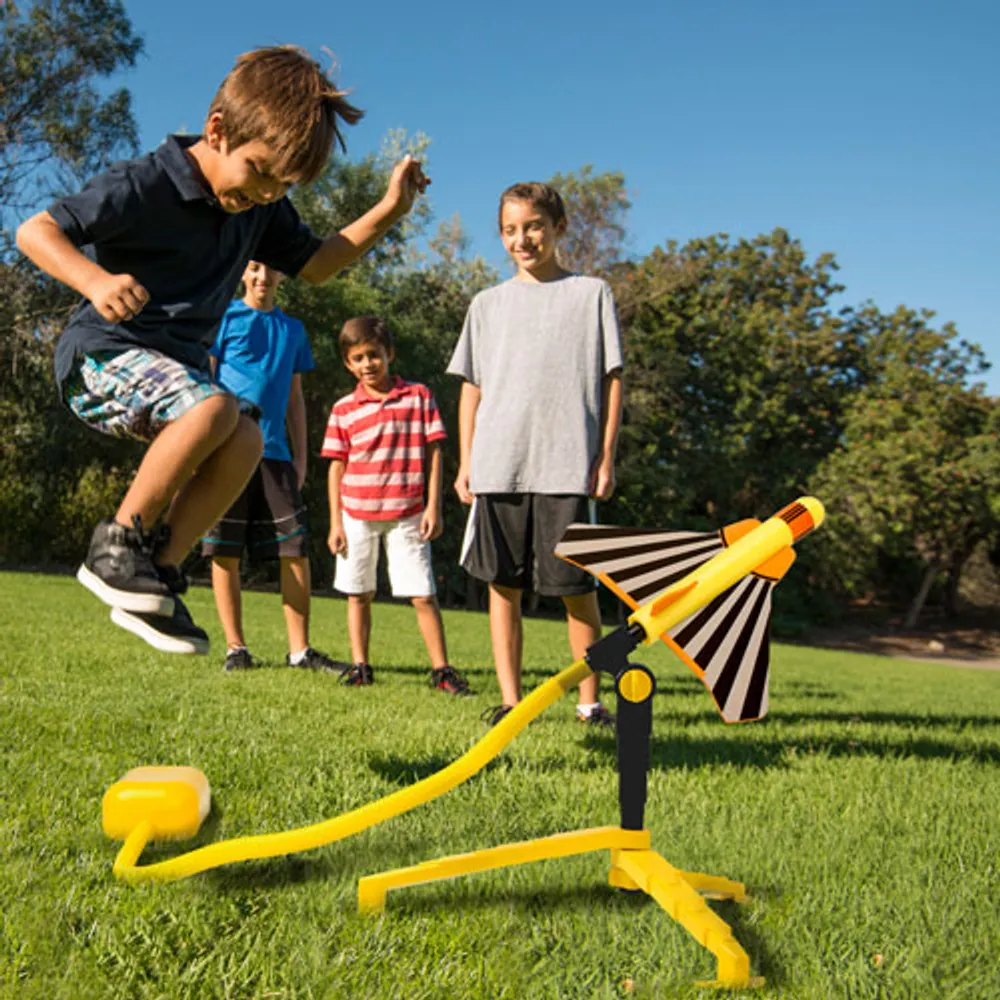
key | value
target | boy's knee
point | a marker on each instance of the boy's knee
(361, 599)
(424, 602)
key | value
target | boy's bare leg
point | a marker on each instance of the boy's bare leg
(295, 582)
(507, 637)
(210, 492)
(583, 623)
(174, 455)
(432, 629)
(226, 588)
(359, 625)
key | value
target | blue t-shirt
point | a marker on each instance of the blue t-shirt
(258, 353)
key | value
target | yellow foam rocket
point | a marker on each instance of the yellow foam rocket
(706, 594)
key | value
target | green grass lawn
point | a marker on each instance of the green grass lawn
(862, 816)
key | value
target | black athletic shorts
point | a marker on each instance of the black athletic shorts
(268, 517)
(510, 538)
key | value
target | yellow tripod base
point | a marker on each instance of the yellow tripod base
(633, 866)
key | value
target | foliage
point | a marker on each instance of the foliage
(917, 472)
(597, 206)
(738, 373)
(56, 125)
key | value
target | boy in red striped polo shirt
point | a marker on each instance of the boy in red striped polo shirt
(384, 442)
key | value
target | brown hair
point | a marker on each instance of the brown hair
(365, 330)
(546, 199)
(281, 96)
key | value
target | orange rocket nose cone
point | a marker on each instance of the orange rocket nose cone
(802, 516)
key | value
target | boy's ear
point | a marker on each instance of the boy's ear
(215, 133)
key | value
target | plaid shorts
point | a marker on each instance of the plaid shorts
(134, 393)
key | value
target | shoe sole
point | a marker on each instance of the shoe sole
(164, 643)
(147, 604)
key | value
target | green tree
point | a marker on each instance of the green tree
(597, 206)
(55, 127)
(916, 476)
(737, 375)
(55, 124)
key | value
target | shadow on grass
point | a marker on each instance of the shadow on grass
(403, 772)
(584, 900)
(679, 752)
(286, 871)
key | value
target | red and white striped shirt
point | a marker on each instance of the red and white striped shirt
(382, 443)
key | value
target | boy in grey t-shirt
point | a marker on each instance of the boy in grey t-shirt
(538, 426)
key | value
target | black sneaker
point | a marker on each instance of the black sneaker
(450, 680)
(313, 659)
(359, 675)
(119, 570)
(600, 717)
(491, 716)
(239, 659)
(176, 633)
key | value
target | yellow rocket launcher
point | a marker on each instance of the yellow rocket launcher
(708, 596)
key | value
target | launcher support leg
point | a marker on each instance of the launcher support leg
(633, 865)
(372, 889)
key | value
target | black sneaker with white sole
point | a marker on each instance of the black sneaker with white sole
(119, 570)
(239, 659)
(176, 633)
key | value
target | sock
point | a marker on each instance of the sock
(585, 711)
(296, 658)
(236, 649)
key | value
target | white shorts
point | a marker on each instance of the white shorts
(408, 556)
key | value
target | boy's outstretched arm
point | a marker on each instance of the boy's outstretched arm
(117, 297)
(602, 475)
(295, 420)
(340, 249)
(468, 406)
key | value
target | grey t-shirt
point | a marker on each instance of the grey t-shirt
(538, 352)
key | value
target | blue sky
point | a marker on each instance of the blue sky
(867, 129)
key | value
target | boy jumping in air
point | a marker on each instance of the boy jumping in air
(260, 354)
(538, 426)
(157, 247)
(384, 442)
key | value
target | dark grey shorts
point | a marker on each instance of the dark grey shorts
(510, 537)
(268, 517)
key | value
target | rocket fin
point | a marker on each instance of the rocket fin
(726, 644)
(635, 564)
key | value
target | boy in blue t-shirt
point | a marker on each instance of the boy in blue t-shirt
(259, 355)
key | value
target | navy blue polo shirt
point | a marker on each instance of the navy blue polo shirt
(156, 218)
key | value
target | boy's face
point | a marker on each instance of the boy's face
(369, 363)
(530, 237)
(242, 177)
(261, 284)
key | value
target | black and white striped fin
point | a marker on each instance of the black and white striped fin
(727, 644)
(637, 564)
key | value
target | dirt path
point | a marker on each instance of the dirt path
(972, 647)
